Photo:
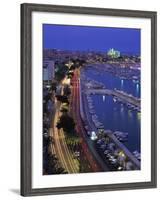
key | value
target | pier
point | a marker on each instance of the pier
(112, 137)
(128, 154)
(89, 88)
(121, 96)
(91, 127)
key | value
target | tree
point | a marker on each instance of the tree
(66, 122)
(70, 74)
(66, 90)
(53, 86)
(62, 98)
(64, 110)
(61, 71)
(74, 142)
(52, 166)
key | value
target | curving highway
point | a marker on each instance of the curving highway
(64, 154)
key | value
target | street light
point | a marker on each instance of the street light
(93, 135)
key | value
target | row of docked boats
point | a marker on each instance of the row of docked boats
(97, 123)
(90, 83)
(137, 155)
(130, 106)
(121, 136)
(115, 157)
(126, 94)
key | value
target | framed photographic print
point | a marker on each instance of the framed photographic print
(88, 99)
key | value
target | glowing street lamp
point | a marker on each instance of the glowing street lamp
(93, 136)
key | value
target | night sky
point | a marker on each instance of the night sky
(68, 37)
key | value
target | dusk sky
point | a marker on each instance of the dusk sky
(67, 37)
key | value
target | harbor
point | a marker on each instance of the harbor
(91, 100)
(118, 138)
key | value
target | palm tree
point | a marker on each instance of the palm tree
(67, 123)
(73, 142)
(52, 165)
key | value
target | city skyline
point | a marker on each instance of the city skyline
(84, 38)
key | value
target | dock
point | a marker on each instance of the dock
(129, 155)
(87, 117)
(122, 96)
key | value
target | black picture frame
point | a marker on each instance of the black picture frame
(26, 98)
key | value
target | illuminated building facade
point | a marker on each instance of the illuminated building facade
(113, 53)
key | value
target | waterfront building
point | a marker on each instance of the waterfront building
(113, 53)
(48, 70)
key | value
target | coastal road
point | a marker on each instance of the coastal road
(79, 125)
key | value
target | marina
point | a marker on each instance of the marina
(121, 114)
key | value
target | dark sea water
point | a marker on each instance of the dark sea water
(111, 81)
(114, 115)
